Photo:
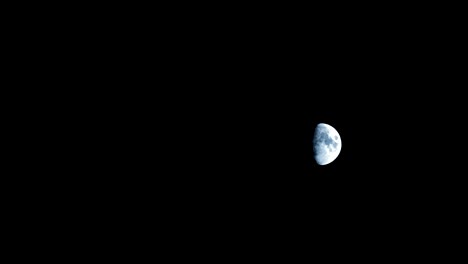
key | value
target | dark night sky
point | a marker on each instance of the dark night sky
(200, 127)
(217, 128)
(241, 116)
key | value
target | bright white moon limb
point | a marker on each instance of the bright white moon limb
(327, 144)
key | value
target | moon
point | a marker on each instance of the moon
(327, 144)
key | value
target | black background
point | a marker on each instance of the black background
(205, 126)
(224, 137)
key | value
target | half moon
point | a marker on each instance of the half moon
(326, 144)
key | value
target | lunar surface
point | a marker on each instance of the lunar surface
(327, 144)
